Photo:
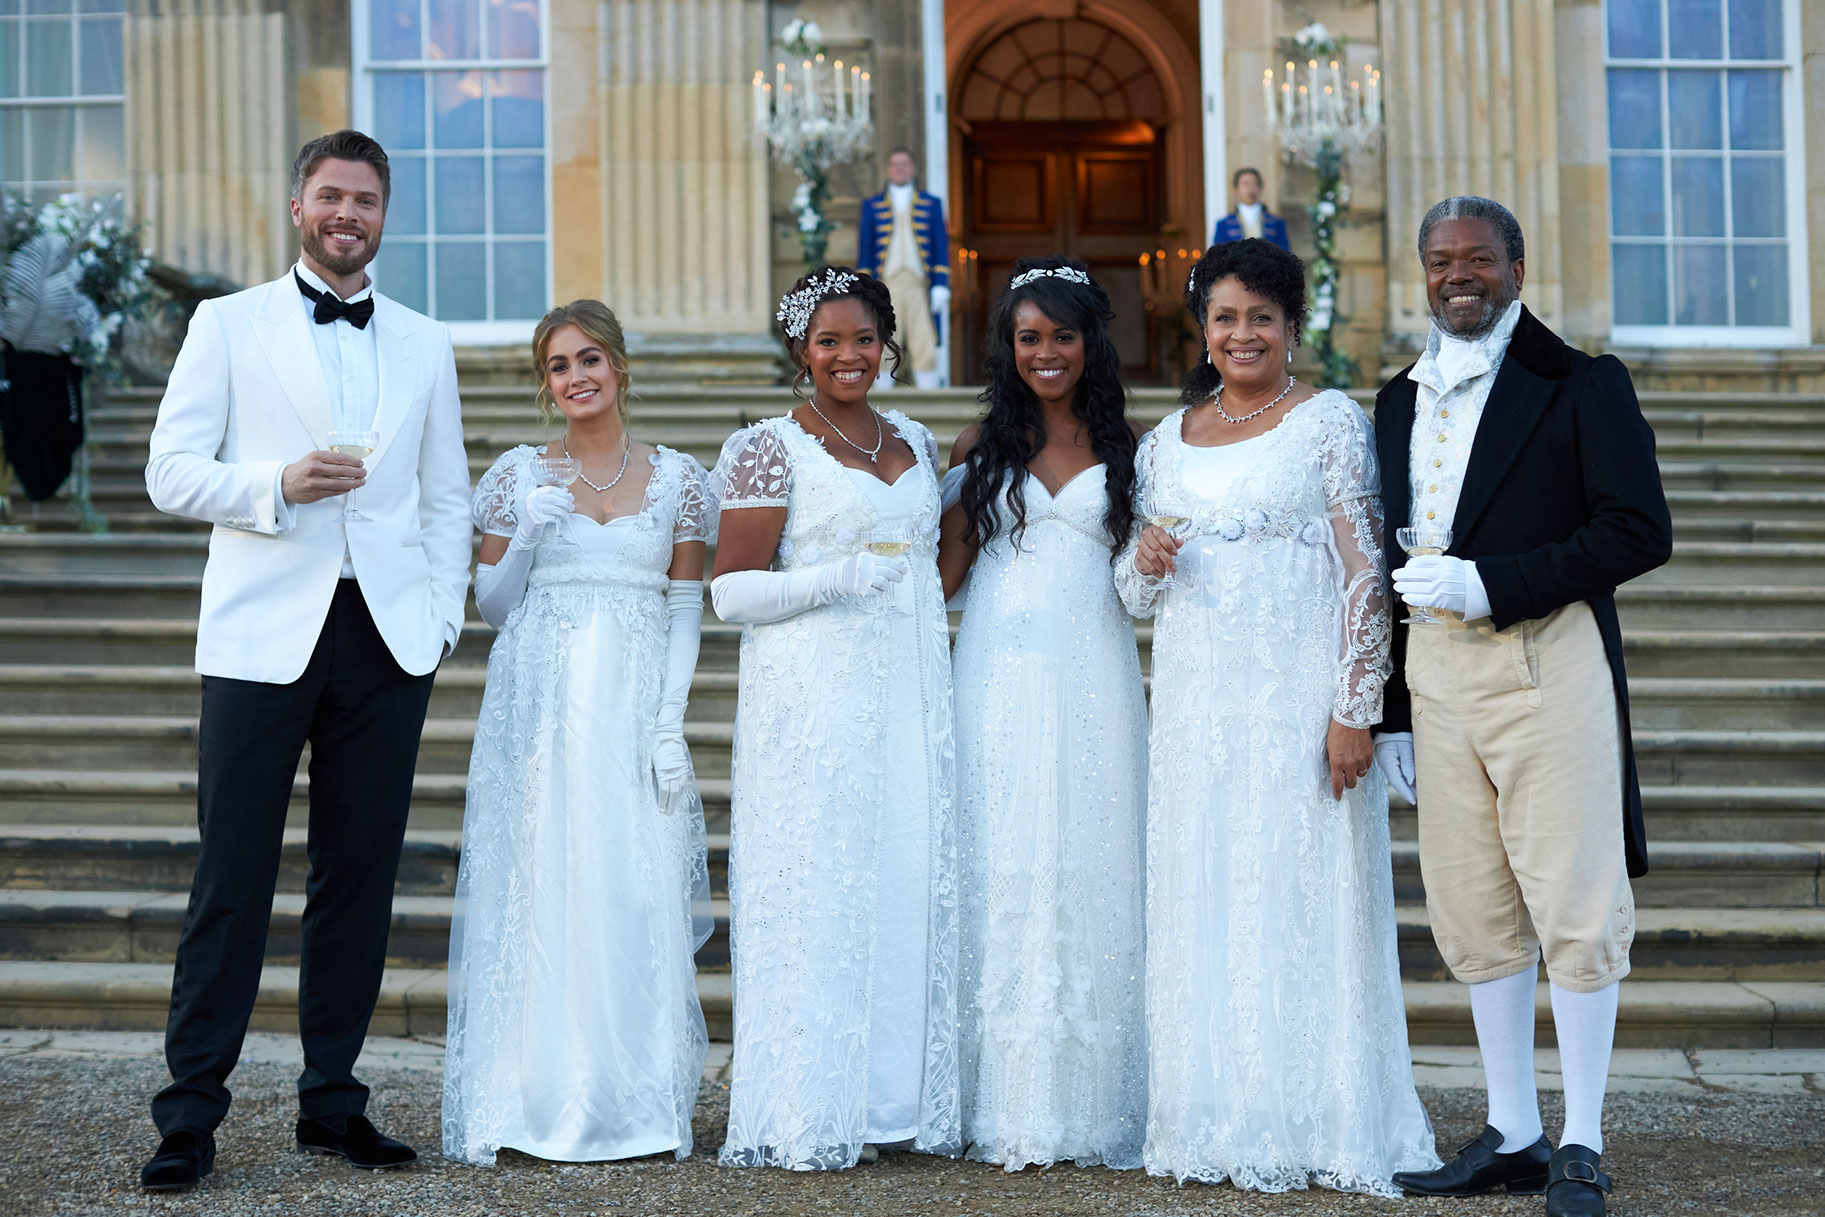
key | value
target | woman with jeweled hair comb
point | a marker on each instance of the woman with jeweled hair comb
(1051, 738)
(842, 854)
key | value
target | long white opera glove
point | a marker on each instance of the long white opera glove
(1442, 581)
(941, 298)
(500, 588)
(1394, 754)
(758, 597)
(671, 759)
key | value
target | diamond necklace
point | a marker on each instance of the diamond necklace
(626, 447)
(1230, 418)
(880, 436)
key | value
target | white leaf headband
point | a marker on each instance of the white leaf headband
(795, 308)
(1069, 274)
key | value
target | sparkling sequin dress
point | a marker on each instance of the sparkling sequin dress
(1276, 1026)
(1052, 775)
(574, 1029)
(842, 852)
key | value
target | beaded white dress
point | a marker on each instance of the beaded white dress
(842, 853)
(1276, 1026)
(575, 1032)
(1052, 777)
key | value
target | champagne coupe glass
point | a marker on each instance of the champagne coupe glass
(888, 541)
(1169, 516)
(1419, 541)
(360, 444)
(551, 469)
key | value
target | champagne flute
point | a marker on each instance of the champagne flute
(359, 444)
(1169, 517)
(550, 469)
(1418, 541)
(888, 541)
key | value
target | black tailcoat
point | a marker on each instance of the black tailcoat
(1561, 502)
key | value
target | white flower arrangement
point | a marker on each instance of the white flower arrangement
(91, 245)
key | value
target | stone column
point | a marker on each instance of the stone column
(207, 154)
(1470, 104)
(1584, 174)
(682, 182)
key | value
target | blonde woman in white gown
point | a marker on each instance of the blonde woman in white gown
(1276, 1025)
(842, 855)
(574, 1028)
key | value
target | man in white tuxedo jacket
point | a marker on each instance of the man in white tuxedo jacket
(334, 587)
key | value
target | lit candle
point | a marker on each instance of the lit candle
(1355, 109)
(809, 90)
(1336, 82)
(1305, 103)
(867, 97)
(760, 98)
(1374, 98)
(1289, 74)
(1286, 104)
(838, 75)
(779, 79)
(1267, 94)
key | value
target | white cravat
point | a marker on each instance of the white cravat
(1250, 216)
(902, 246)
(1453, 379)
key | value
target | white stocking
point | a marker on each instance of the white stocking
(1586, 1023)
(1503, 1011)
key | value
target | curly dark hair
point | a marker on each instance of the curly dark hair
(874, 297)
(1013, 428)
(1260, 266)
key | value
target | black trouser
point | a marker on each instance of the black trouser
(363, 716)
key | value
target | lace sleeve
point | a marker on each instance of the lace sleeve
(1352, 486)
(752, 471)
(696, 519)
(1141, 593)
(495, 506)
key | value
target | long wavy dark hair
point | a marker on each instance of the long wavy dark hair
(1260, 266)
(1013, 429)
(873, 295)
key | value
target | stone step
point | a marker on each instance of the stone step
(1661, 704)
(1652, 1014)
(1761, 608)
(1738, 475)
(1736, 563)
(1750, 758)
(1692, 874)
(1707, 813)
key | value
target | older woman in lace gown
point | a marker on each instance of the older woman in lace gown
(1276, 1027)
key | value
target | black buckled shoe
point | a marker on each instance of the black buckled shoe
(1478, 1168)
(183, 1158)
(358, 1141)
(1574, 1185)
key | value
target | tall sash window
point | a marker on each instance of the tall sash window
(62, 98)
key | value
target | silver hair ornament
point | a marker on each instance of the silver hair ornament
(1069, 274)
(795, 308)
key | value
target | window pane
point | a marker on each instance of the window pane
(519, 109)
(12, 145)
(1755, 29)
(1695, 109)
(1698, 196)
(101, 6)
(1637, 196)
(1634, 108)
(102, 150)
(47, 6)
(9, 8)
(1695, 29)
(519, 280)
(1701, 290)
(1634, 29)
(1639, 293)
(1761, 285)
(462, 281)
(461, 203)
(9, 60)
(399, 271)
(1755, 110)
(1758, 196)
(406, 209)
(393, 29)
(455, 33)
(519, 194)
(399, 109)
(50, 141)
(102, 71)
(457, 109)
(49, 46)
(513, 33)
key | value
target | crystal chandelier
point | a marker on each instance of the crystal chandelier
(821, 112)
(1314, 105)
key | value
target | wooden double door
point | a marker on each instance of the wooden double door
(1089, 191)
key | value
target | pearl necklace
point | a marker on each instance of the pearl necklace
(880, 436)
(1230, 418)
(626, 447)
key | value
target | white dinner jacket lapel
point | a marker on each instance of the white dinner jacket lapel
(397, 354)
(284, 334)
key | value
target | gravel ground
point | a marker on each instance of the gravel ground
(76, 1132)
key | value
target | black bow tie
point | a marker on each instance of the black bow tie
(331, 309)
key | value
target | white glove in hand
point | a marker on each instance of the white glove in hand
(544, 505)
(1444, 582)
(862, 574)
(757, 597)
(1394, 755)
(671, 770)
(941, 298)
(672, 773)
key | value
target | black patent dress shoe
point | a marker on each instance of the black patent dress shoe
(183, 1158)
(1478, 1168)
(357, 1140)
(1574, 1185)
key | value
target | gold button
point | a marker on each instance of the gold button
(1432, 489)
(1441, 437)
(1444, 414)
(1438, 464)
(1431, 515)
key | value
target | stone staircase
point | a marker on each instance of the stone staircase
(98, 707)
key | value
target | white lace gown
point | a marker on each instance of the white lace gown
(842, 855)
(574, 1027)
(1276, 1026)
(1052, 778)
